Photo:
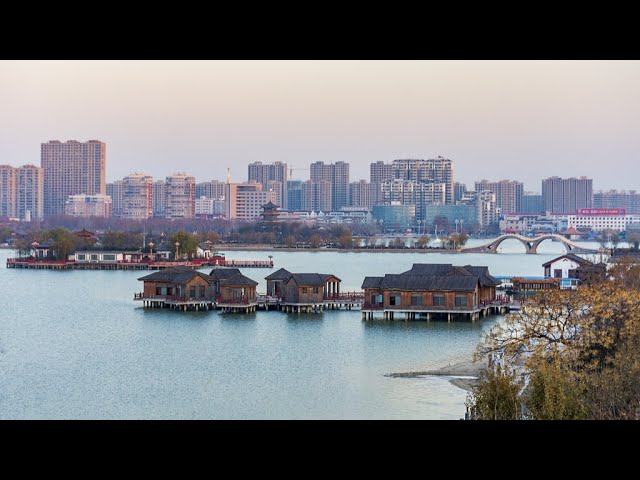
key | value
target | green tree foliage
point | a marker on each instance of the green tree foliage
(553, 394)
(497, 395)
(188, 244)
(116, 240)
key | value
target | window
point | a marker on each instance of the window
(416, 299)
(557, 273)
(304, 289)
(94, 257)
(202, 291)
(461, 300)
(192, 292)
(315, 289)
(109, 257)
(438, 299)
(395, 299)
(82, 257)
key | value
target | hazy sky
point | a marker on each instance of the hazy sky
(520, 120)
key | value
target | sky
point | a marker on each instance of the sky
(523, 120)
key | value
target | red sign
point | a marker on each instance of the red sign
(601, 211)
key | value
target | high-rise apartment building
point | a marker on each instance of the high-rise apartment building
(337, 174)
(613, 199)
(567, 195)
(508, 194)
(412, 192)
(436, 170)
(244, 201)
(317, 196)
(213, 189)
(180, 196)
(71, 168)
(158, 198)
(8, 186)
(88, 206)
(532, 203)
(459, 191)
(115, 191)
(360, 194)
(273, 177)
(487, 208)
(294, 195)
(137, 196)
(30, 193)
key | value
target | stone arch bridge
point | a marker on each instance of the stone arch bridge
(531, 244)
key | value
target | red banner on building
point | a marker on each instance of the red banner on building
(601, 211)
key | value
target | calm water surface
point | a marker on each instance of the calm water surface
(74, 345)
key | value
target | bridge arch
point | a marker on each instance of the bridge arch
(531, 244)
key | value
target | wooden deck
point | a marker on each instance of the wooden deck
(30, 263)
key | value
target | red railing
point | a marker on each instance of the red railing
(352, 296)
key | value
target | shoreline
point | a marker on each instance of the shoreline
(271, 248)
(465, 374)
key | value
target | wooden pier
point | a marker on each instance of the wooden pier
(369, 312)
(174, 302)
(30, 263)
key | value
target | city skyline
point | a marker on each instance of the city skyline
(522, 120)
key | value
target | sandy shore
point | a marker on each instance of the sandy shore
(465, 373)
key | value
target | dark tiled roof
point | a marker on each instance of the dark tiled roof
(280, 274)
(434, 277)
(221, 273)
(327, 276)
(486, 280)
(371, 282)
(309, 279)
(430, 282)
(178, 275)
(429, 269)
(238, 279)
(571, 256)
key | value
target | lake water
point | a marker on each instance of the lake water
(74, 345)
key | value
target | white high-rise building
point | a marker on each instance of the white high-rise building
(137, 196)
(180, 196)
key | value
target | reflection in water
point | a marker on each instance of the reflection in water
(77, 346)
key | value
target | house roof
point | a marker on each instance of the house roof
(436, 276)
(238, 279)
(222, 273)
(178, 275)
(310, 279)
(270, 205)
(486, 279)
(371, 282)
(571, 256)
(280, 274)
(206, 245)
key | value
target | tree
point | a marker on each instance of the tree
(397, 242)
(496, 396)
(423, 241)
(346, 239)
(213, 237)
(315, 241)
(578, 352)
(291, 241)
(64, 242)
(188, 244)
